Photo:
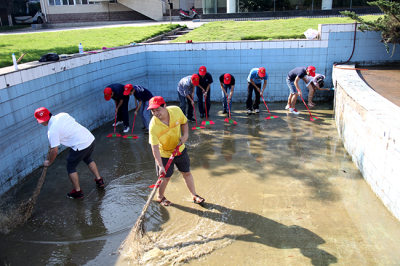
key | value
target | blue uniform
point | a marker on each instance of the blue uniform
(143, 95)
(185, 88)
(203, 82)
(118, 90)
(250, 88)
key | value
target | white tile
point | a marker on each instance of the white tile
(3, 83)
(324, 44)
(349, 27)
(325, 36)
(266, 45)
(181, 47)
(294, 44)
(201, 46)
(279, 44)
(107, 55)
(222, 45)
(149, 48)
(333, 28)
(229, 45)
(236, 45)
(93, 58)
(141, 49)
(13, 78)
(250, 45)
(67, 64)
(286, 44)
(302, 44)
(325, 28)
(273, 44)
(340, 28)
(209, 46)
(243, 45)
(25, 75)
(131, 50)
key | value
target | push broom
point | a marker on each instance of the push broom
(24, 211)
(131, 136)
(206, 122)
(195, 118)
(312, 118)
(114, 135)
(132, 245)
(230, 120)
(270, 115)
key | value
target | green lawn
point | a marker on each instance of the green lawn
(66, 42)
(260, 30)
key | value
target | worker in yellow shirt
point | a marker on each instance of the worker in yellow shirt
(168, 128)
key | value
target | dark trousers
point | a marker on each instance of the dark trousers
(123, 114)
(182, 105)
(200, 98)
(250, 105)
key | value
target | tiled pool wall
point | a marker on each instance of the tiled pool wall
(75, 85)
(370, 128)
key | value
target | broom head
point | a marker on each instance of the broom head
(114, 135)
(130, 136)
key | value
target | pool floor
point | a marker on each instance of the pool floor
(280, 191)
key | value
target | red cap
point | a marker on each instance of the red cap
(202, 70)
(156, 102)
(261, 72)
(127, 89)
(227, 78)
(107, 93)
(195, 79)
(311, 71)
(42, 115)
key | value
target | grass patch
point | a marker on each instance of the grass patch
(260, 30)
(66, 42)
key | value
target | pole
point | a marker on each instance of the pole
(170, 7)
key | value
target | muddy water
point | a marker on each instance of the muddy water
(278, 192)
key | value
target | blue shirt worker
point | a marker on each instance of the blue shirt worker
(63, 129)
(186, 93)
(292, 80)
(143, 95)
(203, 90)
(120, 94)
(254, 80)
(227, 83)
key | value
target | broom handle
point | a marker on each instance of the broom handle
(265, 105)
(159, 180)
(41, 180)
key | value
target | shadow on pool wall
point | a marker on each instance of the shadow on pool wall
(76, 85)
(369, 126)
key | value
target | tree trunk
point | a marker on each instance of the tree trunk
(10, 23)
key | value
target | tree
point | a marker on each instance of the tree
(9, 4)
(389, 25)
(263, 5)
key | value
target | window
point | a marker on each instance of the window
(73, 2)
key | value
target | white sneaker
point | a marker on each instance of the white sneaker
(257, 111)
(126, 129)
(287, 107)
(294, 111)
(249, 112)
(118, 123)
